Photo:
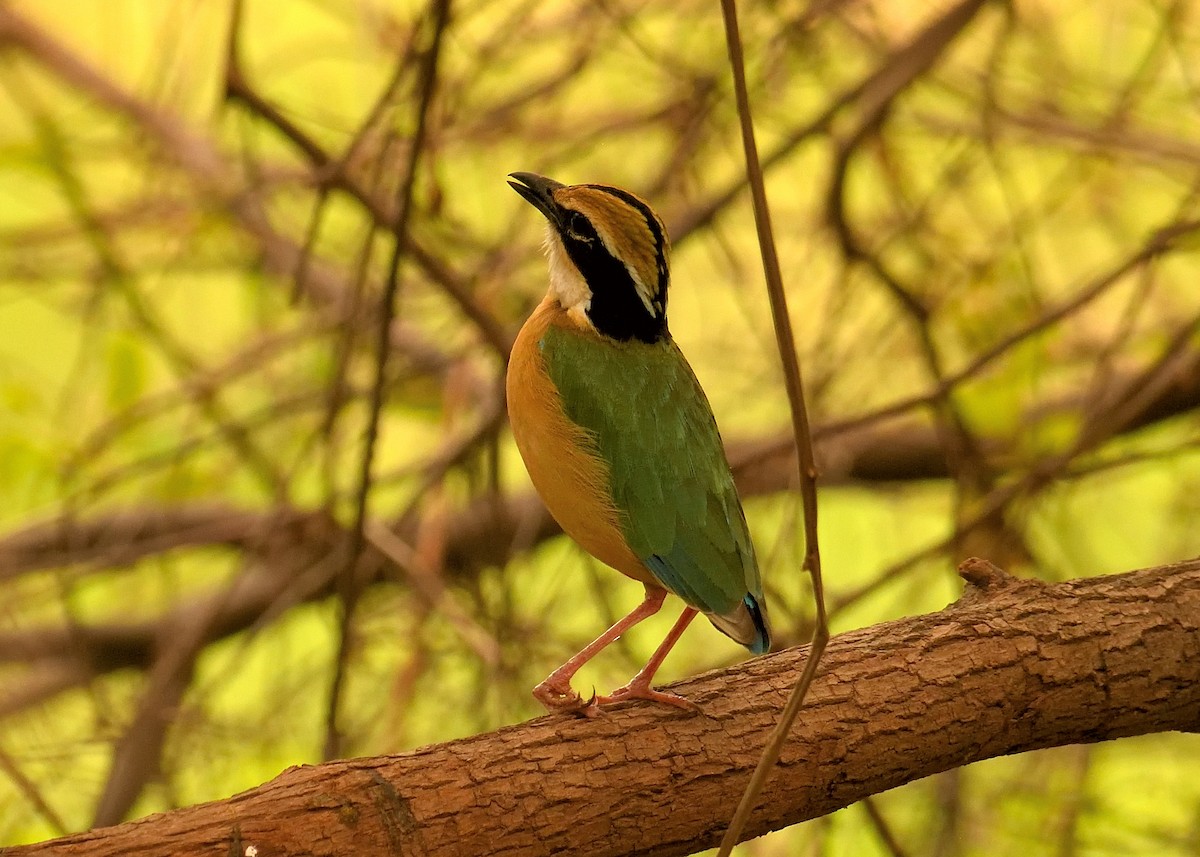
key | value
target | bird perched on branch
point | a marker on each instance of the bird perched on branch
(618, 436)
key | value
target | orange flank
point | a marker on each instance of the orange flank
(572, 482)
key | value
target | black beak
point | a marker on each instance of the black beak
(537, 191)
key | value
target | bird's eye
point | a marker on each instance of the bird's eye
(578, 227)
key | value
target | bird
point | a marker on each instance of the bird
(618, 437)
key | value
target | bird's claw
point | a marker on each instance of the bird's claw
(560, 698)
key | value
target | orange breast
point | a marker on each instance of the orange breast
(571, 479)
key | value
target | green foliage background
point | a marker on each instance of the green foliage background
(155, 354)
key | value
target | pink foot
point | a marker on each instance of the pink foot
(642, 690)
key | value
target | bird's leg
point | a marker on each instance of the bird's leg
(555, 692)
(639, 686)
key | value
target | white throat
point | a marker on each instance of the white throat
(567, 285)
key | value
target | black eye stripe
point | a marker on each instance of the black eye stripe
(616, 309)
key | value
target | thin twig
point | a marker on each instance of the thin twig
(800, 427)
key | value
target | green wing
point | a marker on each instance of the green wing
(653, 427)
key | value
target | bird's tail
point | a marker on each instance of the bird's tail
(758, 613)
(747, 625)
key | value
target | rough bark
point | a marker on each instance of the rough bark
(1014, 665)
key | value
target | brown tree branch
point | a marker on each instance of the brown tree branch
(1014, 665)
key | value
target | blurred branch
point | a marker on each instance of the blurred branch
(350, 586)
(1014, 665)
(882, 829)
(893, 450)
(332, 173)
(872, 94)
(281, 543)
(963, 454)
(137, 755)
(204, 164)
(29, 791)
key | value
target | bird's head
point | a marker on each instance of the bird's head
(608, 256)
